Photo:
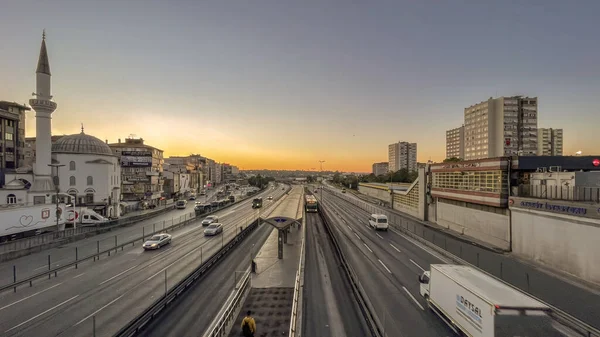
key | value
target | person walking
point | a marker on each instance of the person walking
(248, 325)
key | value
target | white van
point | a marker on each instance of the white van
(181, 204)
(378, 221)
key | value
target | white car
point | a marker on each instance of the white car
(213, 229)
(270, 198)
(209, 220)
(157, 241)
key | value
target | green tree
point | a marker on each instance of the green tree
(453, 159)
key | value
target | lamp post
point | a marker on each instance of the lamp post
(56, 183)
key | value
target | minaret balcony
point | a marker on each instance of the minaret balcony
(42, 103)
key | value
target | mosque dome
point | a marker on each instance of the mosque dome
(81, 144)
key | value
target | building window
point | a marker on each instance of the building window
(11, 199)
(72, 166)
(8, 136)
(89, 198)
(72, 180)
(90, 180)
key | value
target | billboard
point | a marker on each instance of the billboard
(136, 153)
(131, 161)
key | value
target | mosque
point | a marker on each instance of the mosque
(82, 166)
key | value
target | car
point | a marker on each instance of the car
(213, 229)
(210, 220)
(157, 241)
(270, 198)
(192, 198)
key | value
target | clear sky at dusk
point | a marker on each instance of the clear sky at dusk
(283, 84)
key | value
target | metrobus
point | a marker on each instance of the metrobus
(257, 203)
(310, 204)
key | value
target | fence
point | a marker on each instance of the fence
(555, 192)
(517, 275)
(222, 326)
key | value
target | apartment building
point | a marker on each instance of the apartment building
(12, 134)
(381, 168)
(455, 143)
(550, 142)
(402, 155)
(141, 170)
(193, 165)
(503, 126)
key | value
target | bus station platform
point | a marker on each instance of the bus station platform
(273, 281)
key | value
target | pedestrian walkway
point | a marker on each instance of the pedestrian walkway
(272, 293)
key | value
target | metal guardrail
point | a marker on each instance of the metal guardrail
(297, 288)
(221, 325)
(55, 270)
(584, 329)
(139, 323)
(359, 294)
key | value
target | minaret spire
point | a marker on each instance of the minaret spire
(43, 65)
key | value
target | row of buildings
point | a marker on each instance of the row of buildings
(504, 126)
(107, 177)
(401, 155)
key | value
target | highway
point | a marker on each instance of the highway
(387, 265)
(581, 302)
(33, 264)
(329, 309)
(114, 290)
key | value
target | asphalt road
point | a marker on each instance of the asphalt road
(387, 267)
(33, 264)
(115, 289)
(329, 309)
(193, 313)
(583, 303)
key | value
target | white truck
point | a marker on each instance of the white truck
(85, 217)
(20, 222)
(475, 304)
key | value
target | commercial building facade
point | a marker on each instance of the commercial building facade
(141, 170)
(12, 134)
(402, 155)
(550, 142)
(504, 126)
(455, 143)
(381, 168)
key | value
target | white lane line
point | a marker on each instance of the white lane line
(350, 228)
(416, 264)
(76, 276)
(30, 296)
(38, 315)
(384, 266)
(368, 248)
(398, 250)
(357, 236)
(379, 236)
(423, 247)
(97, 311)
(413, 298)
(177, 261)
(119, 274)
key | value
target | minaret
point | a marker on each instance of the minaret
(44, 107)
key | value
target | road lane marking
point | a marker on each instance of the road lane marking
(97, 311)
(413, 298)
(368, 248)
(350, 228)
(177, 261)
(38, 315)
(398, 250)
(357, 236)
(30, 296)
(119, 274)
(76, 276)
(384, 266)
(379, 236)
(430, 251)
(416, 264)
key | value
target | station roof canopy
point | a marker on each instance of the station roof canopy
(289, 211)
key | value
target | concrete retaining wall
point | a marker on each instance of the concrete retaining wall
(562, 242)
(381, 194)
(485, 226)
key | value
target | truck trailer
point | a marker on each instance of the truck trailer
(475, 304)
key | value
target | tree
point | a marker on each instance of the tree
(452, 160)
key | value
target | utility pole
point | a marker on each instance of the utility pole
(56, 183)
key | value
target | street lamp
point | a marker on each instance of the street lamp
(56, 183)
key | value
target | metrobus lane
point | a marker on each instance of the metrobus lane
(385, 283)
(89, 290)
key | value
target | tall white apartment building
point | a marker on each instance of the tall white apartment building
(455, 143)
(402, 155)
(550, 142)
(503, 126)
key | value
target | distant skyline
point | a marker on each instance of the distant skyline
(282, 85)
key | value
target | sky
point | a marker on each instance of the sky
(284, 84)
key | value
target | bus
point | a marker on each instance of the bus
(257, 203)
(310, 204)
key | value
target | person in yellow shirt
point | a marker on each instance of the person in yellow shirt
(248, 325)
